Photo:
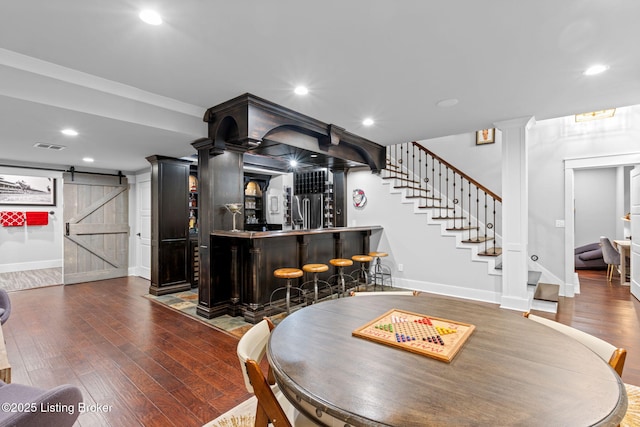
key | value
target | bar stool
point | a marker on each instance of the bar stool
(286, 273)
(380, 270)
(315, 269)
(362, 272)
(341, 263)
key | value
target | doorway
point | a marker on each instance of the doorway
(572, 283)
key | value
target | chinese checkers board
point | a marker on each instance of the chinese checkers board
(426, 335)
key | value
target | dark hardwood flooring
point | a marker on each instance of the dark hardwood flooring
(156, 367)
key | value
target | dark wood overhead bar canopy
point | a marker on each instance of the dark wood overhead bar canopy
(249, 130)
(261, 127)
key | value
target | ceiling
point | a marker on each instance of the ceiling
(132, 90)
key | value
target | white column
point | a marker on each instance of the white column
(515, 212)
(571, 284)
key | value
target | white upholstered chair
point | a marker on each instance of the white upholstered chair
(608, 352)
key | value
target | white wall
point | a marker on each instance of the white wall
(595, 205)
(552, 143)
(430, 261)
(481, 162)
(36, 247)
(26, 248)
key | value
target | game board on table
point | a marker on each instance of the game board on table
(426, 335)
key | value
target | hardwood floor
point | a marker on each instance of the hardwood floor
(156, 367)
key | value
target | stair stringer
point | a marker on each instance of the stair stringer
(474, 248)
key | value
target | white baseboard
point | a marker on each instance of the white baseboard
(35, 265)
(448, 290)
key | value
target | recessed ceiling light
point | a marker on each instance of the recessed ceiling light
(368, 121)
(151, 17)
(69, 132)
(301, 90)
(293, 163)
(596, 69)
(446, 103)
(595, 115)
(87, 159)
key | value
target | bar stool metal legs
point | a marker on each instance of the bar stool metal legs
(315, 269)
(362, 273)
(380, 270)
(286, 273)
(340, 277)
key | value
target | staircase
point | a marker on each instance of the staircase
(463, 207)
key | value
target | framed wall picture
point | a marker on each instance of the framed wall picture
(485, 136)
(27, 190)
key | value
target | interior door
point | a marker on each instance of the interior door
(635, 231)
(96, 217)
(143, 241)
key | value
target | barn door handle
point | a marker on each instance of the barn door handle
(66, 226)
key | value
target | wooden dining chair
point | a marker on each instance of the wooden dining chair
(607, 352)
(273, 407)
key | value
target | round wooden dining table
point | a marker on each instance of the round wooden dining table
(511, 371)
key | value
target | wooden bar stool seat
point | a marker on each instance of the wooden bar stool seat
(316, 269)
(362, 274)
(341, 263)
(288, 274)
(380, 271)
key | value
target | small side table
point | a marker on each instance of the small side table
(624, 247)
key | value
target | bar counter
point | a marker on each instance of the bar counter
(242, 264)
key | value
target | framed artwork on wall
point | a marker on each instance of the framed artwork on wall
(485, 136)
(27, 190)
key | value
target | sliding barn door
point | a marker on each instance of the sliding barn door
(96, 218)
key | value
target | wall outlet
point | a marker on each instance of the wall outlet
(400, 267)
(560, 223)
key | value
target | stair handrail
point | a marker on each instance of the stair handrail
(458, 171)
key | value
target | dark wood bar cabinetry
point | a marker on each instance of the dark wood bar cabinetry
(171, 254)
(235, 268)
(242, 263)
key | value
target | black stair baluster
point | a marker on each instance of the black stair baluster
(413, 170)
(486, 240)
(440, 188)
(446, 183)
(461, 201)
(477, 213)
(470, 212)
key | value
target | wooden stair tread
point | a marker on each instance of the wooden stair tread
(462, 228)
(547, 292)
(478, 239)
(424, 197)
(411, 187)
(491, 252)
(436, 207)
(401, 178)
